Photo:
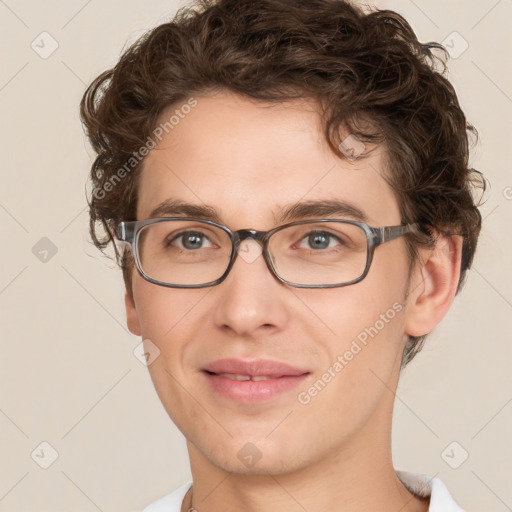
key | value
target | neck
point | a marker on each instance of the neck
(357, 476)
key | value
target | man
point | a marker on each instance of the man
(286, 184)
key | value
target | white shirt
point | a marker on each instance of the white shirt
(419, 484)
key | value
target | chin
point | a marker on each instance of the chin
(250, 455)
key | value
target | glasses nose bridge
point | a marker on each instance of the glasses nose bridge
(244, 234)
(253, 234)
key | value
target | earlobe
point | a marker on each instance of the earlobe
(132, 317)
(433, 285)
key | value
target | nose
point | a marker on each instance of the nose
(251, 302)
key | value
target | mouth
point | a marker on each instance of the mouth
(252, 381)
(254, 378)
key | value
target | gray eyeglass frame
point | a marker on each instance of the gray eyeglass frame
(128, 231)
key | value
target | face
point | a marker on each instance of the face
(330, 353)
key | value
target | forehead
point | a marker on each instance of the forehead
(248, 161)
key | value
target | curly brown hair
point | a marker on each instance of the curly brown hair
(369, 73)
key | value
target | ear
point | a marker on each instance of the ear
(132, 317)
(433, 285)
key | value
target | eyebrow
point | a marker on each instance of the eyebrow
(177, 208)
(289, 213)
(320, 209)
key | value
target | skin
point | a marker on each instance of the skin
(248, 159)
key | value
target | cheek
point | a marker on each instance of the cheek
(370, 308)
(167, 319)
(364, 323)
(160, 310)
(359, 361)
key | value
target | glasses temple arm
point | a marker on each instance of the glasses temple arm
(125, 232)
(388, 233)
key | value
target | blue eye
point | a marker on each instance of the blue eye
(189, 240)
(319, 240)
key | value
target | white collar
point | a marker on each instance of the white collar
(424, 486)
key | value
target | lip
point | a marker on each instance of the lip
(282, 378)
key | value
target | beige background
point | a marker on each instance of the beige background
(68, 373)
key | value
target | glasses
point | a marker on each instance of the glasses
(184, 252)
